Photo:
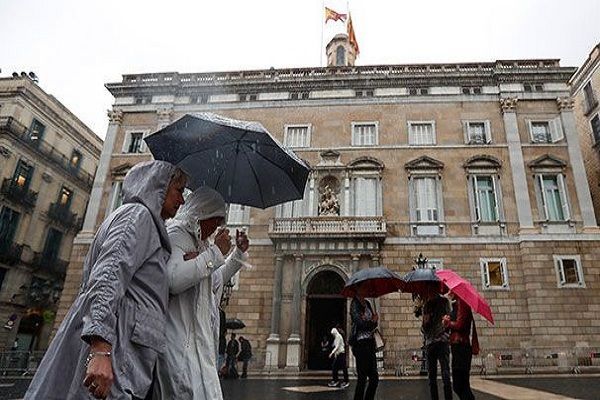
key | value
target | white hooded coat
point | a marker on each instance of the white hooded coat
(338, 343)
(188, 368)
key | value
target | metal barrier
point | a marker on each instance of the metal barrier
(19, 362)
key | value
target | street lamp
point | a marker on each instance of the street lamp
(421, 264)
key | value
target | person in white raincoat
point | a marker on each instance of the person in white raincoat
(197, 275)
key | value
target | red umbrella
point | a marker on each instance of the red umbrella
(463, 289)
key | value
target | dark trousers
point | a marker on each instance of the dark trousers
(339, 362)
(245, 367)
(231, 363)
(366, 367)
(461, 369)
(439, 351)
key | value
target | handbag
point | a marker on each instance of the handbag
(379, 343)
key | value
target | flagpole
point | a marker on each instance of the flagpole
(322, 34)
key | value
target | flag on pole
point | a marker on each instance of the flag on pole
(330, 14)
(352, 35)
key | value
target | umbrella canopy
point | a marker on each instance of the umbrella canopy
(463, 289)
(420, 280)
(239, 159)
(234, 323)
(376, 281)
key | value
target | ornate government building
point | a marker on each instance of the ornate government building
(477, 166)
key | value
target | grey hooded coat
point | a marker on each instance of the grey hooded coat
(123, 296)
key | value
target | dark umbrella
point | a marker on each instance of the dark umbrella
(234, 323)
(377, 281)
(419, 280)
(239, 159)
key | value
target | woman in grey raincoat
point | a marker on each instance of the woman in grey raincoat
(108, 343)
(197, 274)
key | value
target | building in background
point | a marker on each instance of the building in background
(585, 89)
(48, 158)
(478, 166)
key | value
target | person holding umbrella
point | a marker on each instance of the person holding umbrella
(197, 274)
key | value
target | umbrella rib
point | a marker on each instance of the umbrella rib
(262, 199)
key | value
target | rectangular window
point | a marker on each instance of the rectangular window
(364, 134)
(135, 142)
(297, 136)
(421, 133)
(75, 161)
(595, 122)
(494, 273)
(117, 196)
(477, 132)
(590, 97)
(36, 130)
(569, 271)
(365, 197)
(238, 215)
(485, 196)
(23, 174)
(547, 131)
(426, 204)
(553, 197)
(436, 263)
(52, 247)
(65, 197)
(9, 221)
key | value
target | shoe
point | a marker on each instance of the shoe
(344, 385)
(332, 384)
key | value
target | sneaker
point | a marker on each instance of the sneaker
(344, 385)
(332, 384)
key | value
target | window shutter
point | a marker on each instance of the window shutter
(471, 195)
(439, 206)
(556, 130)
(143, 146)
(412, 199)
(530, 127)
(499, 199)
(495, 188)
(465, 125)
(126, 142)
(504, 272)
(488, 132)
(486, 274)
(561, 271)
(475, 198)
(563, 196)
(542, 203)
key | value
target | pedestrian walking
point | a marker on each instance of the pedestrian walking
(245, 355)
(338, 355)
(459, 323)
(222, 343)
(233, 348)
(436, 341)
(364, 322)
(108, 342)
(197, 273)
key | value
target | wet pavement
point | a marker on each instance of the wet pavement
(579, 387)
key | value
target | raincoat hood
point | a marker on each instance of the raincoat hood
(202, 204)
(334, 332)
(147, 183)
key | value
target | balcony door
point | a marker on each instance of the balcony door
(9, 220)
(23, 174)
(52, 246)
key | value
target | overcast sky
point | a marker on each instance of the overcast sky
(76, 46)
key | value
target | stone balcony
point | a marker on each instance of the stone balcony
(329, 226)
(18, 194)
(63, 216)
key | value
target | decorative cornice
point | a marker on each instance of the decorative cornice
(547, 161)
(482, 161)
(565, 103)
(115, 116)
(424, 162)
(509, 104)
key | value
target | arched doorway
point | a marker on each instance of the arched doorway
(325, 309)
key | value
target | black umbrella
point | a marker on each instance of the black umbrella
(234, 323)
(376, 281)
(239, 159)
(421, 279)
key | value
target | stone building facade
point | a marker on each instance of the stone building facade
(478, 166)
(48, 158)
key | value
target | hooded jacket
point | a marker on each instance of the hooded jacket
(338, 343)
(122, 299)
(188, 369)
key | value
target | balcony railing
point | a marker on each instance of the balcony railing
(10, 253)
(62, 215)
(328, 226)
(20, 133)
(54, 266)
(18, 194)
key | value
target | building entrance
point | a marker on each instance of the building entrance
(325, 309)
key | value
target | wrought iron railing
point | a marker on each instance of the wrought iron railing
(47, 263)
(10, 253)
(62, 215)
(18, 194)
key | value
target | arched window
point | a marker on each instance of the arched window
(340, 56)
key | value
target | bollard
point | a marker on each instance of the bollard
(562, 362)
(490, 364)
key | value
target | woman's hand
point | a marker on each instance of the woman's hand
(223, 241)
(99, 373)
(446, 321)
(241, 240)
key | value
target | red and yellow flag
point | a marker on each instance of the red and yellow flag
(330, 14)
(352, 35)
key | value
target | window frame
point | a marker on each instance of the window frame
(563, 195)
(560, 274)
(411, 141)
(65, 190)
(286, 138)
(116, 196)
(29, 176)
(77, 165)
(377, 194)
(354, 139)
(128, 141)
(244, 212)
(555, 130)
(486, 131)
(473, 179)
(595, 134)
(485, 273)
(41, 133)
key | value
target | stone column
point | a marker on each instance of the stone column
(565, 106)
(89, 223)
(355, 261)
(517, 165)
(375, 260)
(293, 342)
(164, 115)
(272, 356)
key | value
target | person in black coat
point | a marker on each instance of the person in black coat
(233, 348)
(245, 355)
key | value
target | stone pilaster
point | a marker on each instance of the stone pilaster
(293, 342)
(272, 355)
(517, 165)
(567, 118)
(355, 262)
(164, 115)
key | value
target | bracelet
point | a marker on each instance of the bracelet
(94, 354)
